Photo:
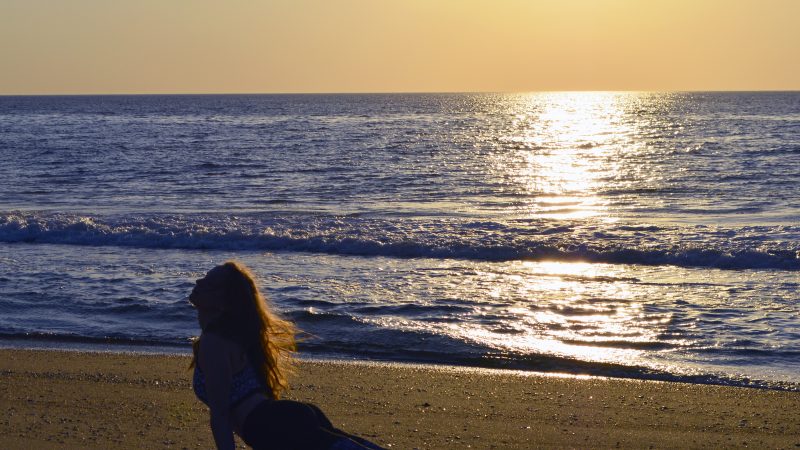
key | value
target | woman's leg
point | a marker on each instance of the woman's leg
(286, 424)
(321, 417)
(355, 442)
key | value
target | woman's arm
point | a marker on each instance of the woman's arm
(215, 360)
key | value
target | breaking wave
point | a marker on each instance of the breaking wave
(754, 247)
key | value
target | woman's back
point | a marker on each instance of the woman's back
(218, 351)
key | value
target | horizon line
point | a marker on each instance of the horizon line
(654, 91)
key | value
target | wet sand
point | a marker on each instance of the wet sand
(59, 399)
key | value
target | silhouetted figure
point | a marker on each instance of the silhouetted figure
(241, 362)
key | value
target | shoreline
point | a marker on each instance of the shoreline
(67, 399)
(133, 349)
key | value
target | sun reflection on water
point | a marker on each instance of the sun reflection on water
(561, 149)
(564, 147)
(557, 157)
(577, 310)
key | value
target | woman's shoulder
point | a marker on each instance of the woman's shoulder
(214, 346)
(216, 338)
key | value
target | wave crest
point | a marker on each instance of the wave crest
(773, 247)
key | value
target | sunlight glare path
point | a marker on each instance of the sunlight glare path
(566, 146)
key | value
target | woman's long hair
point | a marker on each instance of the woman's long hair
(268, 340)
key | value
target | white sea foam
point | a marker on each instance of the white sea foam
(728, 248)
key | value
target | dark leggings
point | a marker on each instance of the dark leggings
(289, 425)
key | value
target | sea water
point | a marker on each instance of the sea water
(646, 235)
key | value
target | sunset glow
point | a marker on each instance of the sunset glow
(91, 46)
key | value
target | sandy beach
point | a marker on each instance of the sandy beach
(59, 399)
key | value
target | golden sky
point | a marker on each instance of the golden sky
(203, 46)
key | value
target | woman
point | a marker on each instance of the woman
(242, 359)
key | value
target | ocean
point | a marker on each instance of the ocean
(639, 235)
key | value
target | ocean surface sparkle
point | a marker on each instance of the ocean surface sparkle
(647, 235)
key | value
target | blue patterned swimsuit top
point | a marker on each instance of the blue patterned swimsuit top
(244, 383)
